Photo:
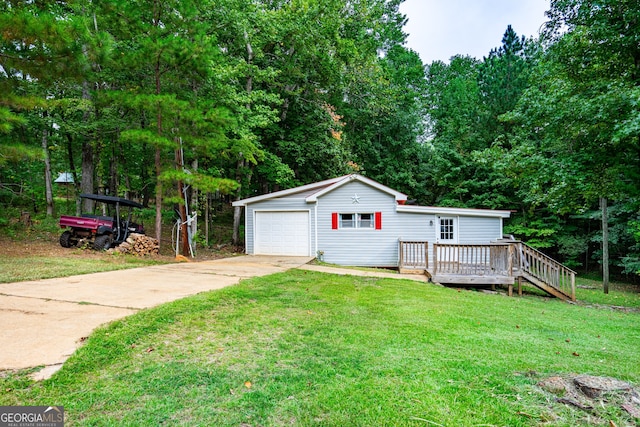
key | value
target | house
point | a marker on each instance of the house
(353, 220)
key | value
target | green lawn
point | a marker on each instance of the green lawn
(20, 268)
(303, 348)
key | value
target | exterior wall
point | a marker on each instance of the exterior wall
(362, 247)
(479, 229)
(288, 204)
(368, 247)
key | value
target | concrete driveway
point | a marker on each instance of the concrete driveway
(44, 321)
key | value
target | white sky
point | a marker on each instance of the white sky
(440, 29)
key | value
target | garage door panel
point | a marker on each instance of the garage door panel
(282, 233)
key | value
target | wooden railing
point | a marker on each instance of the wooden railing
(546, 269)
(504, 259)
(413, 255)
(473, 259)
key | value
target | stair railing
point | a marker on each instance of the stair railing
(546, 269)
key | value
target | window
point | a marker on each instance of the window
(346, 221)
(365, 220)
(357, 220)
(447, 230)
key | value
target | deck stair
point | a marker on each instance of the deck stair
(507, 262)
(545, 273)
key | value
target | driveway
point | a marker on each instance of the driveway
(44, 321)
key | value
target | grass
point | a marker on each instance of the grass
(18, 268)
(591, 291)
(304, 348)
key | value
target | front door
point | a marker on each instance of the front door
(447, 229)
(447, 234)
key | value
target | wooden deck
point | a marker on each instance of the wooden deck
(503, 263)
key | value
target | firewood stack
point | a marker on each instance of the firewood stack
(139, 245)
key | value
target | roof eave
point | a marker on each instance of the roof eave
(287, 192)
(490, 213)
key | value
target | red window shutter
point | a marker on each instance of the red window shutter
(378, 220)
(334, 221)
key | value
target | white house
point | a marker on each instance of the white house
(353, 220)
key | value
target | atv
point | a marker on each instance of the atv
(101, 231)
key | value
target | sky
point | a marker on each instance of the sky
(440, 29)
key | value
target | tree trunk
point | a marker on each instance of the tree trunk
(195, 195)
(47, 172)
(158, 157)
(158, 164)
(605, 245)
(86, 183)
(206, 218)
(237, 210)
(237, 214)
(114, 182)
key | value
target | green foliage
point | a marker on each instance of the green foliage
(537, 232)
(267, 95)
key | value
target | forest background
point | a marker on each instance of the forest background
(225, 99)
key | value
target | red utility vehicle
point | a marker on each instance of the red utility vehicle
(101, 231)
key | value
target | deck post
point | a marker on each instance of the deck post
(435, 258)
(510, 261)
(401, 254)
(519, 286)
(510, 289)
(426, 255)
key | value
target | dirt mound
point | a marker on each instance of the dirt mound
(595, 395)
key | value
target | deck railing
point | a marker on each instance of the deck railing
(507, 259)
(493, 259)
(413, 255)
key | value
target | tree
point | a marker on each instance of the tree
(453, 99)
(578, 125)
(384, 121)
(166, 51)
(41, 45)
(502, 78)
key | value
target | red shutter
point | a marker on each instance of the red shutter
(334, 221)
(378, 220)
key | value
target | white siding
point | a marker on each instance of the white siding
(479, 230)
(362, 247)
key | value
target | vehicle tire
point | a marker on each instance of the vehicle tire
(102, 243)
(65, 239)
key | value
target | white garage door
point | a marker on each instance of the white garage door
(282, 233)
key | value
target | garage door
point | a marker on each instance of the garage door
(282, 233)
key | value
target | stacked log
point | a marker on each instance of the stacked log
(139, 245)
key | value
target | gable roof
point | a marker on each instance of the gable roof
(311, 193)
(318, 189)
(317, 186)
(355, 177)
